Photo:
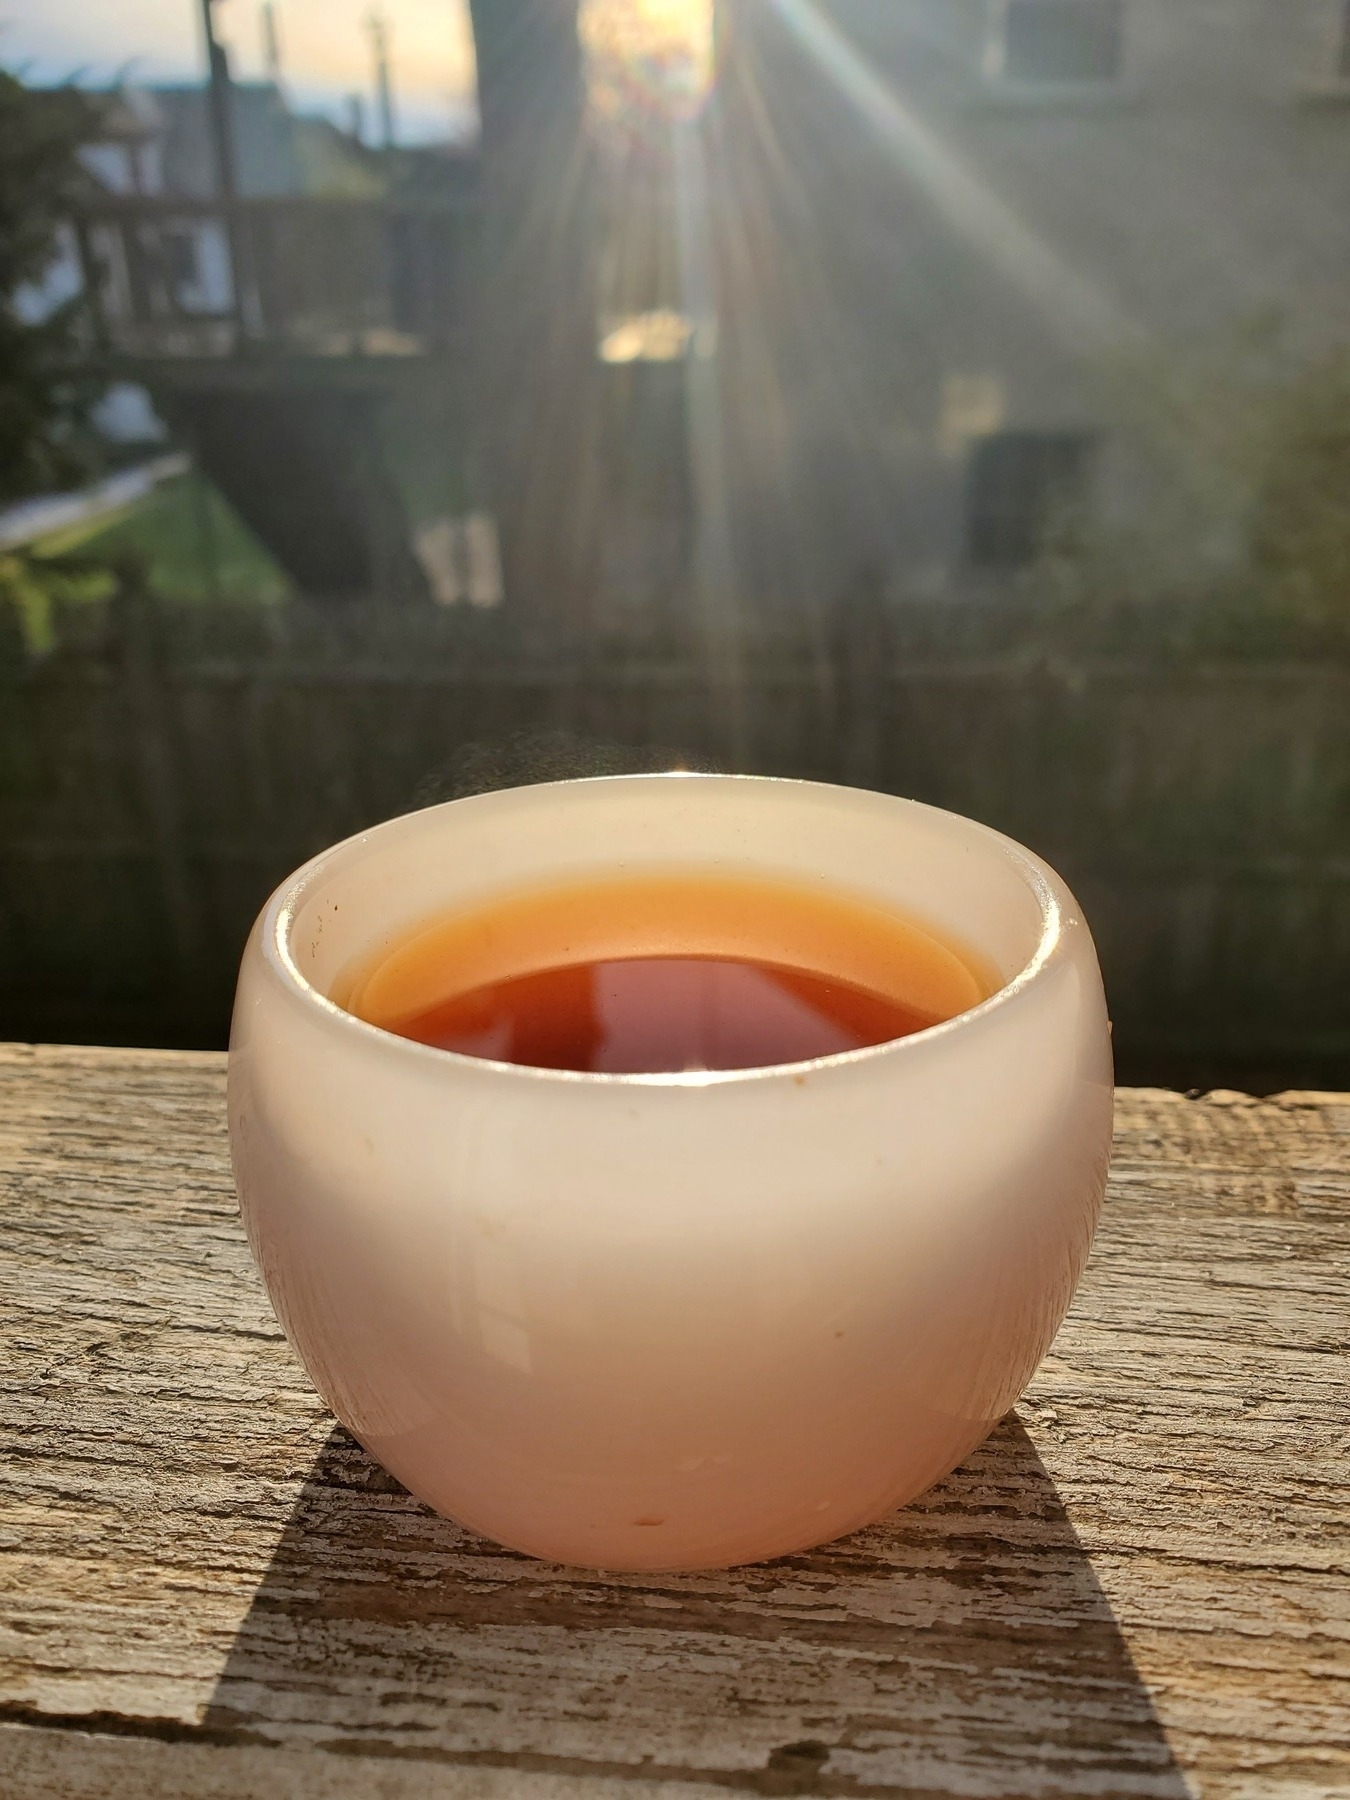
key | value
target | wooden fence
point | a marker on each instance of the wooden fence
(162, 770)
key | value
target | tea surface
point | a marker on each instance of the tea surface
(657, 974)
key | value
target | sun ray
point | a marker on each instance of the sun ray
(1089, 319)
(649, 63)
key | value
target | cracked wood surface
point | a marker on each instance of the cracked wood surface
(1137, 1587)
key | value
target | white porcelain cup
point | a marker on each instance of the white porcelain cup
(687, 1320)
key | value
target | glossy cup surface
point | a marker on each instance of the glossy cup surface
(687, 1320)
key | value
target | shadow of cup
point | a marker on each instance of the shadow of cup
(963, 1645)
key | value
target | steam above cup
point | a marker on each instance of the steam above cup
(684, 1320)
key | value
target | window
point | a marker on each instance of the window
(660, 336)
(1061, 41)
(971, 407)
(1019, 481)
(178, 247)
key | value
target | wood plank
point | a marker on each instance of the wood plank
(1138, 1586)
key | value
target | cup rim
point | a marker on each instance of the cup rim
(280, 913)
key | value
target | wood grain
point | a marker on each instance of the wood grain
(1137, 1587)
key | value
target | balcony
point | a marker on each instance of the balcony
(331, 278)
(289, 341)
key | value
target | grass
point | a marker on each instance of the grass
(194, 545)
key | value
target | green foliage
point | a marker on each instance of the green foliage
(1236, 535)
(190, 543)
(42, 406)
(35, 591)
(1300, 537)
(194, 546)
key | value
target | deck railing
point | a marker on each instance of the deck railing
(170, 277)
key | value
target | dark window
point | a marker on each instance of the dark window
(179, 250)
(1019, 482)
(1062, 40)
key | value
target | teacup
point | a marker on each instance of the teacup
(686, 1320)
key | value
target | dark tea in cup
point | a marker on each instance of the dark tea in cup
(659, 974)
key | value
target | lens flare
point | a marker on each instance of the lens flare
(649, 64)
(1088, 317)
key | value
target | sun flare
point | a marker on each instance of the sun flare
(647, 60)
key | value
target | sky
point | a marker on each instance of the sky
(325, 50)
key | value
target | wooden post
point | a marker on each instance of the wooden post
(221, 101)
(92, 277)
(863, 651)
(147, 289)
(208, 543)
(156, 764)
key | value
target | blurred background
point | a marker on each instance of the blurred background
(945, 396)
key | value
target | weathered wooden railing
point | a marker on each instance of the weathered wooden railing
(1136, 1587)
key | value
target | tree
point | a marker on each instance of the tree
(43, 405)
(535, 368)
(1240, 449)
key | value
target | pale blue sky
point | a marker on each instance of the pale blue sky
(325, 49)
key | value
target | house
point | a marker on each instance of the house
(914, 281)
(346, 268)
(979, 257)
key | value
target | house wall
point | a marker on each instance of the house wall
(912, 254)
